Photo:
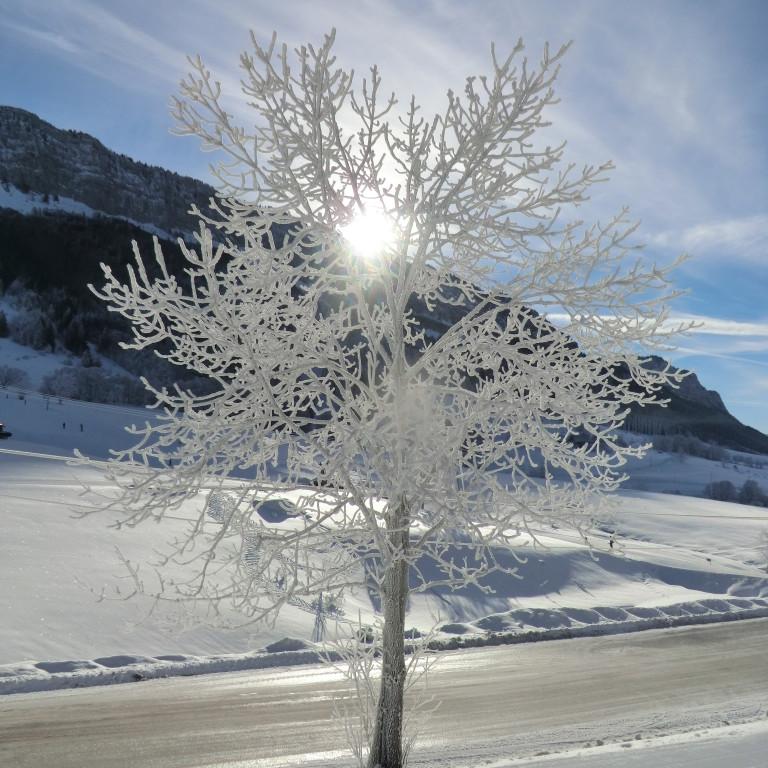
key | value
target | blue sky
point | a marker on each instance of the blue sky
(674, 92)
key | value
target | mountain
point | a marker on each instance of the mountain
(67, 203)
(37, 157)
(694, 410)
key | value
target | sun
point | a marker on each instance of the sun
(369, 233)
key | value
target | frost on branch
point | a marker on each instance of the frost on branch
(425, 389)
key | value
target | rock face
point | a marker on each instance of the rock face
(37, 157)
(694, 410)
(691, 388)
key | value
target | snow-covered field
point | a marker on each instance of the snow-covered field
(674, 473)
(676, 560)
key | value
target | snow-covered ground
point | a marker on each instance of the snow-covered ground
(741, 745)
(676, 560)
(736, 746)
(674, 473)
(57, 426)
(36, 363)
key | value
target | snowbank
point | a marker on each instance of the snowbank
(533, 626)
(48, 676)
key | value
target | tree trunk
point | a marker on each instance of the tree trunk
(387, 744)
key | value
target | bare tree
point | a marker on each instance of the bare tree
(395, 306)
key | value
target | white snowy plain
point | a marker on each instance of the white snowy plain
(677, 560)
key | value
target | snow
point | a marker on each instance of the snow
(677, 560)
(34, 202)
(583, 699)
(31, 202)
(37, 364)
(737, 746)
(28, 677)
(57, 426)
(688, 475)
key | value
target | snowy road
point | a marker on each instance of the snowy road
(497, 703)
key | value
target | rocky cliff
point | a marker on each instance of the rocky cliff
(37, 157)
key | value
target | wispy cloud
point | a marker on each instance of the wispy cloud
(716, 326)
(41, 37)
(642, 88)
(719, 353)
(741, 342)
(744, 238)
(101, 42)
(723, 327)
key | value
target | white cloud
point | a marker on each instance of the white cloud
(723, 339)
(744, 238)
(101, 42)
(40, 37)
(723, 327)
(658, 90)
(716, 326)
(719, 352)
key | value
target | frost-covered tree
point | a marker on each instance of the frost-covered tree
(721, 490)
(763, 548)
(751, 493)
(397, 307)
(13, 377)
